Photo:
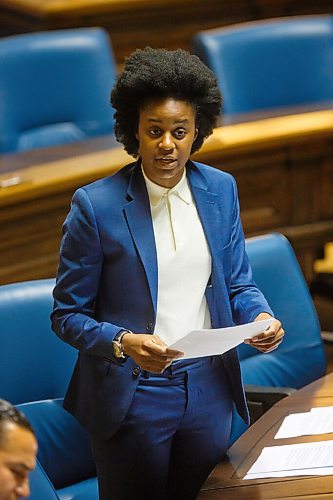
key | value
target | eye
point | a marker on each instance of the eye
(179, 133)
(154, 132)
(19, 474)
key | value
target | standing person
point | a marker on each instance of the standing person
(147, 255)
(18, 448)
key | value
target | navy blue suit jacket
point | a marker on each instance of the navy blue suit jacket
(107, 281)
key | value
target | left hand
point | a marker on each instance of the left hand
(270, 339)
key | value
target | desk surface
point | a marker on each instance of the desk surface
(226, 479)
(54, 7)
(40, 168)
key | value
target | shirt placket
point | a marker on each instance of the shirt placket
(169, 212)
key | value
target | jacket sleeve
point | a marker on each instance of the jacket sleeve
(77, 284)
(247, 301)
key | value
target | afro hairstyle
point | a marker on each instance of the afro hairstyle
(155, 74)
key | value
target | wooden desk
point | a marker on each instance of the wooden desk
(136, 23)
(226, 479)
(283, 166)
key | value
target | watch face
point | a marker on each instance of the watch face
(117, 350)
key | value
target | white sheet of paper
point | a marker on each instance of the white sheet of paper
(201, 343)
(327, 410)
(316, 421)
(294, 460)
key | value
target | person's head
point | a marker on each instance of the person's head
(18, 448)
(167, 103)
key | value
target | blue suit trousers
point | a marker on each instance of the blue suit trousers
(176, 430)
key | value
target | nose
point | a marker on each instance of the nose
(166, 141)
(23, 490)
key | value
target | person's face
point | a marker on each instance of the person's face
(166, 133)
(17, 459)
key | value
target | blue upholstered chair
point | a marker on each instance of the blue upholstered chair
(65, 466)
(35, 368)
(270, 64)
(55, 88)
(34, 363)
(41, 487)
(300, 359)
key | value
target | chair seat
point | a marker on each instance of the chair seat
(85, 490)
(49, 135)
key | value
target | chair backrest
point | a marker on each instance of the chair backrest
(55, 88)
(272, 63)
(34, 363)
(300, 358)
(63, 445)
(40, 485)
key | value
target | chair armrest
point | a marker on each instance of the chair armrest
(262, 398)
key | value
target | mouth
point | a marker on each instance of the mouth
(166, 160)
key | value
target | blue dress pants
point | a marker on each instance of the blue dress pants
(176, 430)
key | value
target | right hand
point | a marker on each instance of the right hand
(149, 351)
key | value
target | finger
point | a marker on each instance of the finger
(170, 352)
(174, 354)
(265, 340)
(268, 334)
(155, 348)
(276, 325)
(156, 359)
(267, 345)
(268, 349)
(163, 352)
(259, 338)
(157, 340)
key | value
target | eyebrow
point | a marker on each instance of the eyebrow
(156, 120)
(20, 465)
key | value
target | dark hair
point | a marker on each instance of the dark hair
(8, 413)
(155, 74)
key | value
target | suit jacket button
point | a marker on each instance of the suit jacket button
(136, 371)
(150, 327)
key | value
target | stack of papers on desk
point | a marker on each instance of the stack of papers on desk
(316, 421)
(305, 459)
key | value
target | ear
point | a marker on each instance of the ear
(137, 135)
(196, 133)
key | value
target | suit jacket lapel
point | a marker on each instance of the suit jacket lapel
(209, 209)
(138, 216)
